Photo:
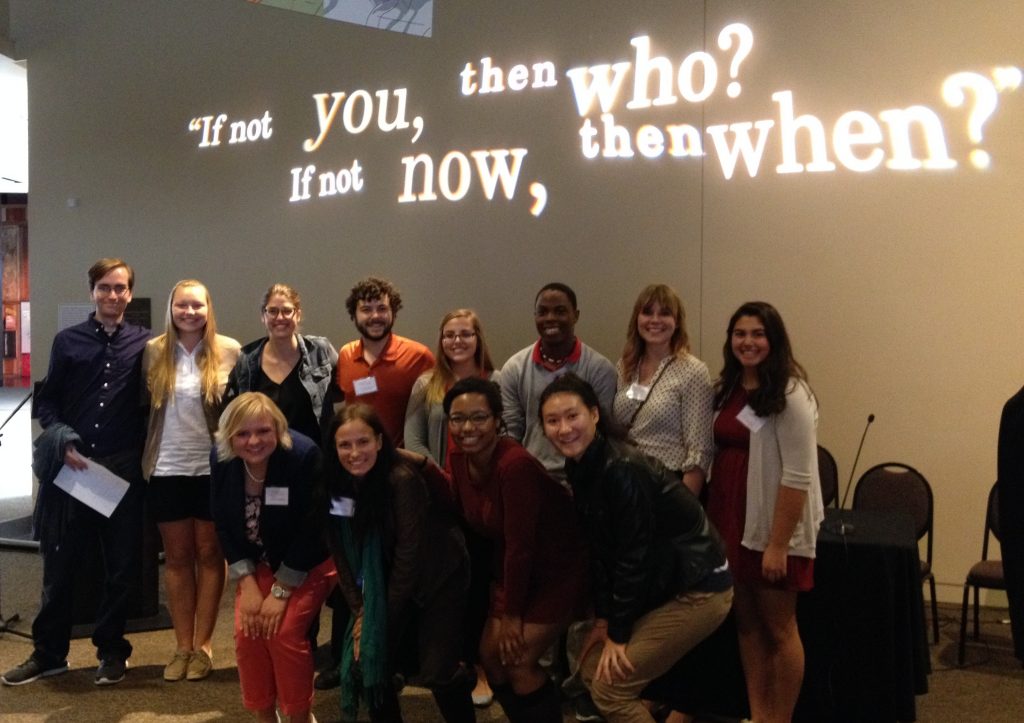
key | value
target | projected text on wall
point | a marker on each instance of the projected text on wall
(614, 102)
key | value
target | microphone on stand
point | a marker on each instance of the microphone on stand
(838, 526)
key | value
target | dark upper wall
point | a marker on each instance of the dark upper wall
(6, 46)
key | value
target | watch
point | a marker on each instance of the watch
(279, 592)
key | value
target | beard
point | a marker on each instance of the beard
(373, 335)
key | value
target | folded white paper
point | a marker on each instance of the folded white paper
(96, 486)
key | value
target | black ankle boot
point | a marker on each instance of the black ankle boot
(507, 699)
(543, 705)
(389, 711)
(455, 700)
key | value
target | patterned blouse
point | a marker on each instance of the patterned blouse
(674, 424)
(253, 507)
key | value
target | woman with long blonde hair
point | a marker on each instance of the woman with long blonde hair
(186, 369)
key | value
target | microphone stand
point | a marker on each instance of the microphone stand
(839, 526)
(5, 623)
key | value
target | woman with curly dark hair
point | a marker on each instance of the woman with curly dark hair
(765, 499)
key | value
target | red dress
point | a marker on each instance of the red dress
(727, 501)
(727, 493)
(539, 560)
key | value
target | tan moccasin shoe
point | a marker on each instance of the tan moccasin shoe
(199, 666)
(178, 666)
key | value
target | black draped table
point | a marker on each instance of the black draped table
(862, 627)
(863, 624)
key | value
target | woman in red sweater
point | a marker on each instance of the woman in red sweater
(506, 495)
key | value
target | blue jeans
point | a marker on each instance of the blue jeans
(120, 542)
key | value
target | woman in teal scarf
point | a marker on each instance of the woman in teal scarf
(399, 560)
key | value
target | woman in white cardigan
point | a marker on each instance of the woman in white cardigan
(765, 499)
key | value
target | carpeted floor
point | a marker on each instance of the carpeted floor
(989, 689)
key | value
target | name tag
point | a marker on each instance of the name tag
(366, 385)
(343, 506)
(637, 392)
(750, 420)
(275, 496)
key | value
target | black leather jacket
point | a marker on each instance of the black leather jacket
(649, 537)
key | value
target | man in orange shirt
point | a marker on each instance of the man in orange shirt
(380, 367)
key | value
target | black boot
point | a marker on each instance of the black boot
(543, 705)
(389, 710)
(507, 699)
(454, 699)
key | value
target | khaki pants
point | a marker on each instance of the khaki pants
(659, 639)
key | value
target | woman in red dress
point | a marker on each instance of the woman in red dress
(765, 500)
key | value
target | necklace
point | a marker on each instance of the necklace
(651, 365)
(553, 361)
(253, 477)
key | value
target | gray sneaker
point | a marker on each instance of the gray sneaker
(32, 669)
(111, 671)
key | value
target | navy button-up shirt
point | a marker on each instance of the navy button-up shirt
(93, 385)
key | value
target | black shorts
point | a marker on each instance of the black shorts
(175, 498)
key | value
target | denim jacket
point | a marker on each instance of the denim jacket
(315, 370)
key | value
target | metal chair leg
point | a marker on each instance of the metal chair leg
(935, 610)
(977, 612)
(962, 648)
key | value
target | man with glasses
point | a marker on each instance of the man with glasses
(89, 408)
(380, 367)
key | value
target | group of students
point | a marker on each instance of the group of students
(642, 498)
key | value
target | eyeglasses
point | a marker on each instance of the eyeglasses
(285, 312)
(475, 420)
(117, 289)
(460, 335)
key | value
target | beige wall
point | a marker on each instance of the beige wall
(899, 288)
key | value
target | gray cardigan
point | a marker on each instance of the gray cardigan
(426, 430)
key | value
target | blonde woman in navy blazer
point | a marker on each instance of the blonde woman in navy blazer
(263, 476)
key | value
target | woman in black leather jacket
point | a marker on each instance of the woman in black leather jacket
(659, 576)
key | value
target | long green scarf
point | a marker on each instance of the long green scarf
(368, 677)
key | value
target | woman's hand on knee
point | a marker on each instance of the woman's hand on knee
(596, 638)
(271, 613)
(249, 604)
(614, 666)
(511, 643)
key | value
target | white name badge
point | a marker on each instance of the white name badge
(366, 385)
(637, 392)
(749, 419)
(343, 506)
(275, 496)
